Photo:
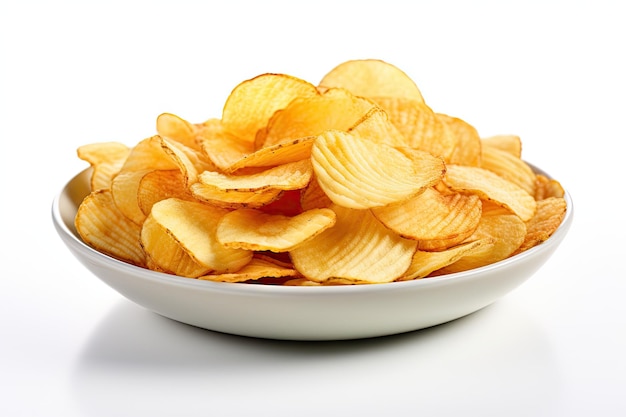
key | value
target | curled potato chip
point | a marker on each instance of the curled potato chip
(549, 215)
(234, 199)
(509, 167)
(436, 221)
(102, 226)
(179, 237)
(251, 103)
(336, 109)
(255, 230)
(258, 268)
(357, 248)
(290, 176)
(489, 186)
(468, 144)
(360, 174)
(508, 143)
(278, 154)
(504, 230)
(371, 78)
(159, 185)
(420, 126)
(221, 147)
(376, 127)
(175, 128)
(547, 187)
(426, 262)
(106, 159)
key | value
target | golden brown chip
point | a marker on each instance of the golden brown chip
(102, 226)
(371, 78)
(290, 176)
(255, 230)
(436, 221)
(489, 186)
(547, 187)
(505, 231)
(234, 199)
(357, 248)
(420, 126)
(508, 143)
(179, 237)
(278, 154)
(509, 167)
(159, 185)
(376, 127)
(259, 267)
(426, 262)
(221, 147)
(175, 128)
(336, 109)
(360, 174)
(106, 159)
(549, 215)
(468, 144)
(251, 103)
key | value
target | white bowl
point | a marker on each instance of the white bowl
(303, 313)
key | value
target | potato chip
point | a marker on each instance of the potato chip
(549, 215)
(504, 230)
(251, 103)
(124, 189)
(489, 186)
(426, 262)
(278, 154)
(508, 143)
(234, 199)
(102, 226)
(420, 126)
(357, 248)
(313, 196)
(360, 174)
(106, 159)
(371, 78)
(336, 109)
(291, 176)
(221, 147)
(376, 127)
(258, 231)
(468, 144)
(175, 128)
(259, 267)
(547, 187)
(509, 167)
(436, 221)
(179, 237)
(159, 185)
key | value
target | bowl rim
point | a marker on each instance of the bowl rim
(71, 238)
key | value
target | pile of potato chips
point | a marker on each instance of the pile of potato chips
(355, 180)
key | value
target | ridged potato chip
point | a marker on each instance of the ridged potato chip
(360, 174)
(421, 127)
(436, 221)
(251, 103)
(180, 237)
(426, 262)
(509, 167)
(260, 267)
(489, 186)
(371, 78)
(468, 143)
(505, 232)
(258, 231)
(102, 226)
(549, 215)
(508, 143)
(357, 248)
(106, 159)
(175, 128)
(336, 109)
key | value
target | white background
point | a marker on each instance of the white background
(73, 73)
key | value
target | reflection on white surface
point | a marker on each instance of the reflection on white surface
(494, 362)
